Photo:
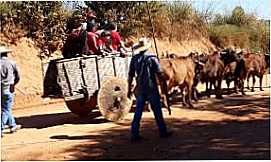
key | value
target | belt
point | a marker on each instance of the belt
(5, 87)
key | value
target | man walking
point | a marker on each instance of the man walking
(9, 78)
(146, 66)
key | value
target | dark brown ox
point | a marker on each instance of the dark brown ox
(178, 72)
(255, 66)
(212, 73)
(229, 74)
(235, 71)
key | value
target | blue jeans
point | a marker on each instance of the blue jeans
(6, 110)
(154, 100)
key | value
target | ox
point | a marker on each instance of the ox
(234, 68)
(178, 72)
(256, 66)
(213, 73)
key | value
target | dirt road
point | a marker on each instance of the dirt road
(236, 127)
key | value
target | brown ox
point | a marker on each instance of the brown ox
(255, 66)
(178, 72)
(213, 73)
(236, 72)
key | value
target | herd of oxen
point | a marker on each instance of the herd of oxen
(183, 73)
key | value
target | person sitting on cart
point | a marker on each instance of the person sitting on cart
(117, 43)
(105, 43)
(92, 38)
(89, 17)
(75, 42)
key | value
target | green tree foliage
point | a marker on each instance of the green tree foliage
(183, 18)
(240, 30)
(136, 18)
(238, 17)
(40, 20)
(110, 10)
(45, 22)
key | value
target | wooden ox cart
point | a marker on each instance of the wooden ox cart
(89, 82)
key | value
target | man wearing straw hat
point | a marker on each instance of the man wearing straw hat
(145, 66)
(9, 78)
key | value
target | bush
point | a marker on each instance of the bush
(42, 21)
(45, 22)
(240, 30)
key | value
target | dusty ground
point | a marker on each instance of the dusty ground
(236, 127)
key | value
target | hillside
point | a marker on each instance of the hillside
(185, 47)
(26, 56)
(29, 90)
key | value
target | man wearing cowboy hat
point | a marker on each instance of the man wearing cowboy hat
(9, 78)
(146, 66)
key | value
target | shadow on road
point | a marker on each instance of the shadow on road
(231, 139)
(192, 139)
(49, 120)
(237, 105)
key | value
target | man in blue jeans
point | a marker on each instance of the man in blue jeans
(9, 78)
(146, 66)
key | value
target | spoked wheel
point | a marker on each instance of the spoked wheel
(113, 102)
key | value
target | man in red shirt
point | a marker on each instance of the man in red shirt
(117, 43)
(105, 42)
(92, 39)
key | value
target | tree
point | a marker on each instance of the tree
(42, 21)
(238, 16)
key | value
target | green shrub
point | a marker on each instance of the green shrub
(240, 30)
(42, 21)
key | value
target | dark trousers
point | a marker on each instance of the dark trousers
(154, 100)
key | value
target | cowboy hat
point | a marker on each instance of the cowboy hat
(142, 45)
(239, 50)
(4, 50)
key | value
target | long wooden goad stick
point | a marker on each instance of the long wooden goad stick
(156, 49)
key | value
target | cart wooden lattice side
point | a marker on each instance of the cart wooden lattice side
(88, 82)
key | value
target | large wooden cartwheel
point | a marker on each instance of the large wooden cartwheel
(113, 102)
(82, 106)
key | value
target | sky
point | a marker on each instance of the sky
(260, 7)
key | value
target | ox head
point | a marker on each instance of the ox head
(199, 60)
(228, 56)
(203, 58)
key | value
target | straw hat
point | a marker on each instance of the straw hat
(142, 45)
(239, 50)
(4, 50)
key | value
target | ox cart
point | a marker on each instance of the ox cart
(90, 82)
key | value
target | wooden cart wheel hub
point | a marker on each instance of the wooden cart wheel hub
(113, 102)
